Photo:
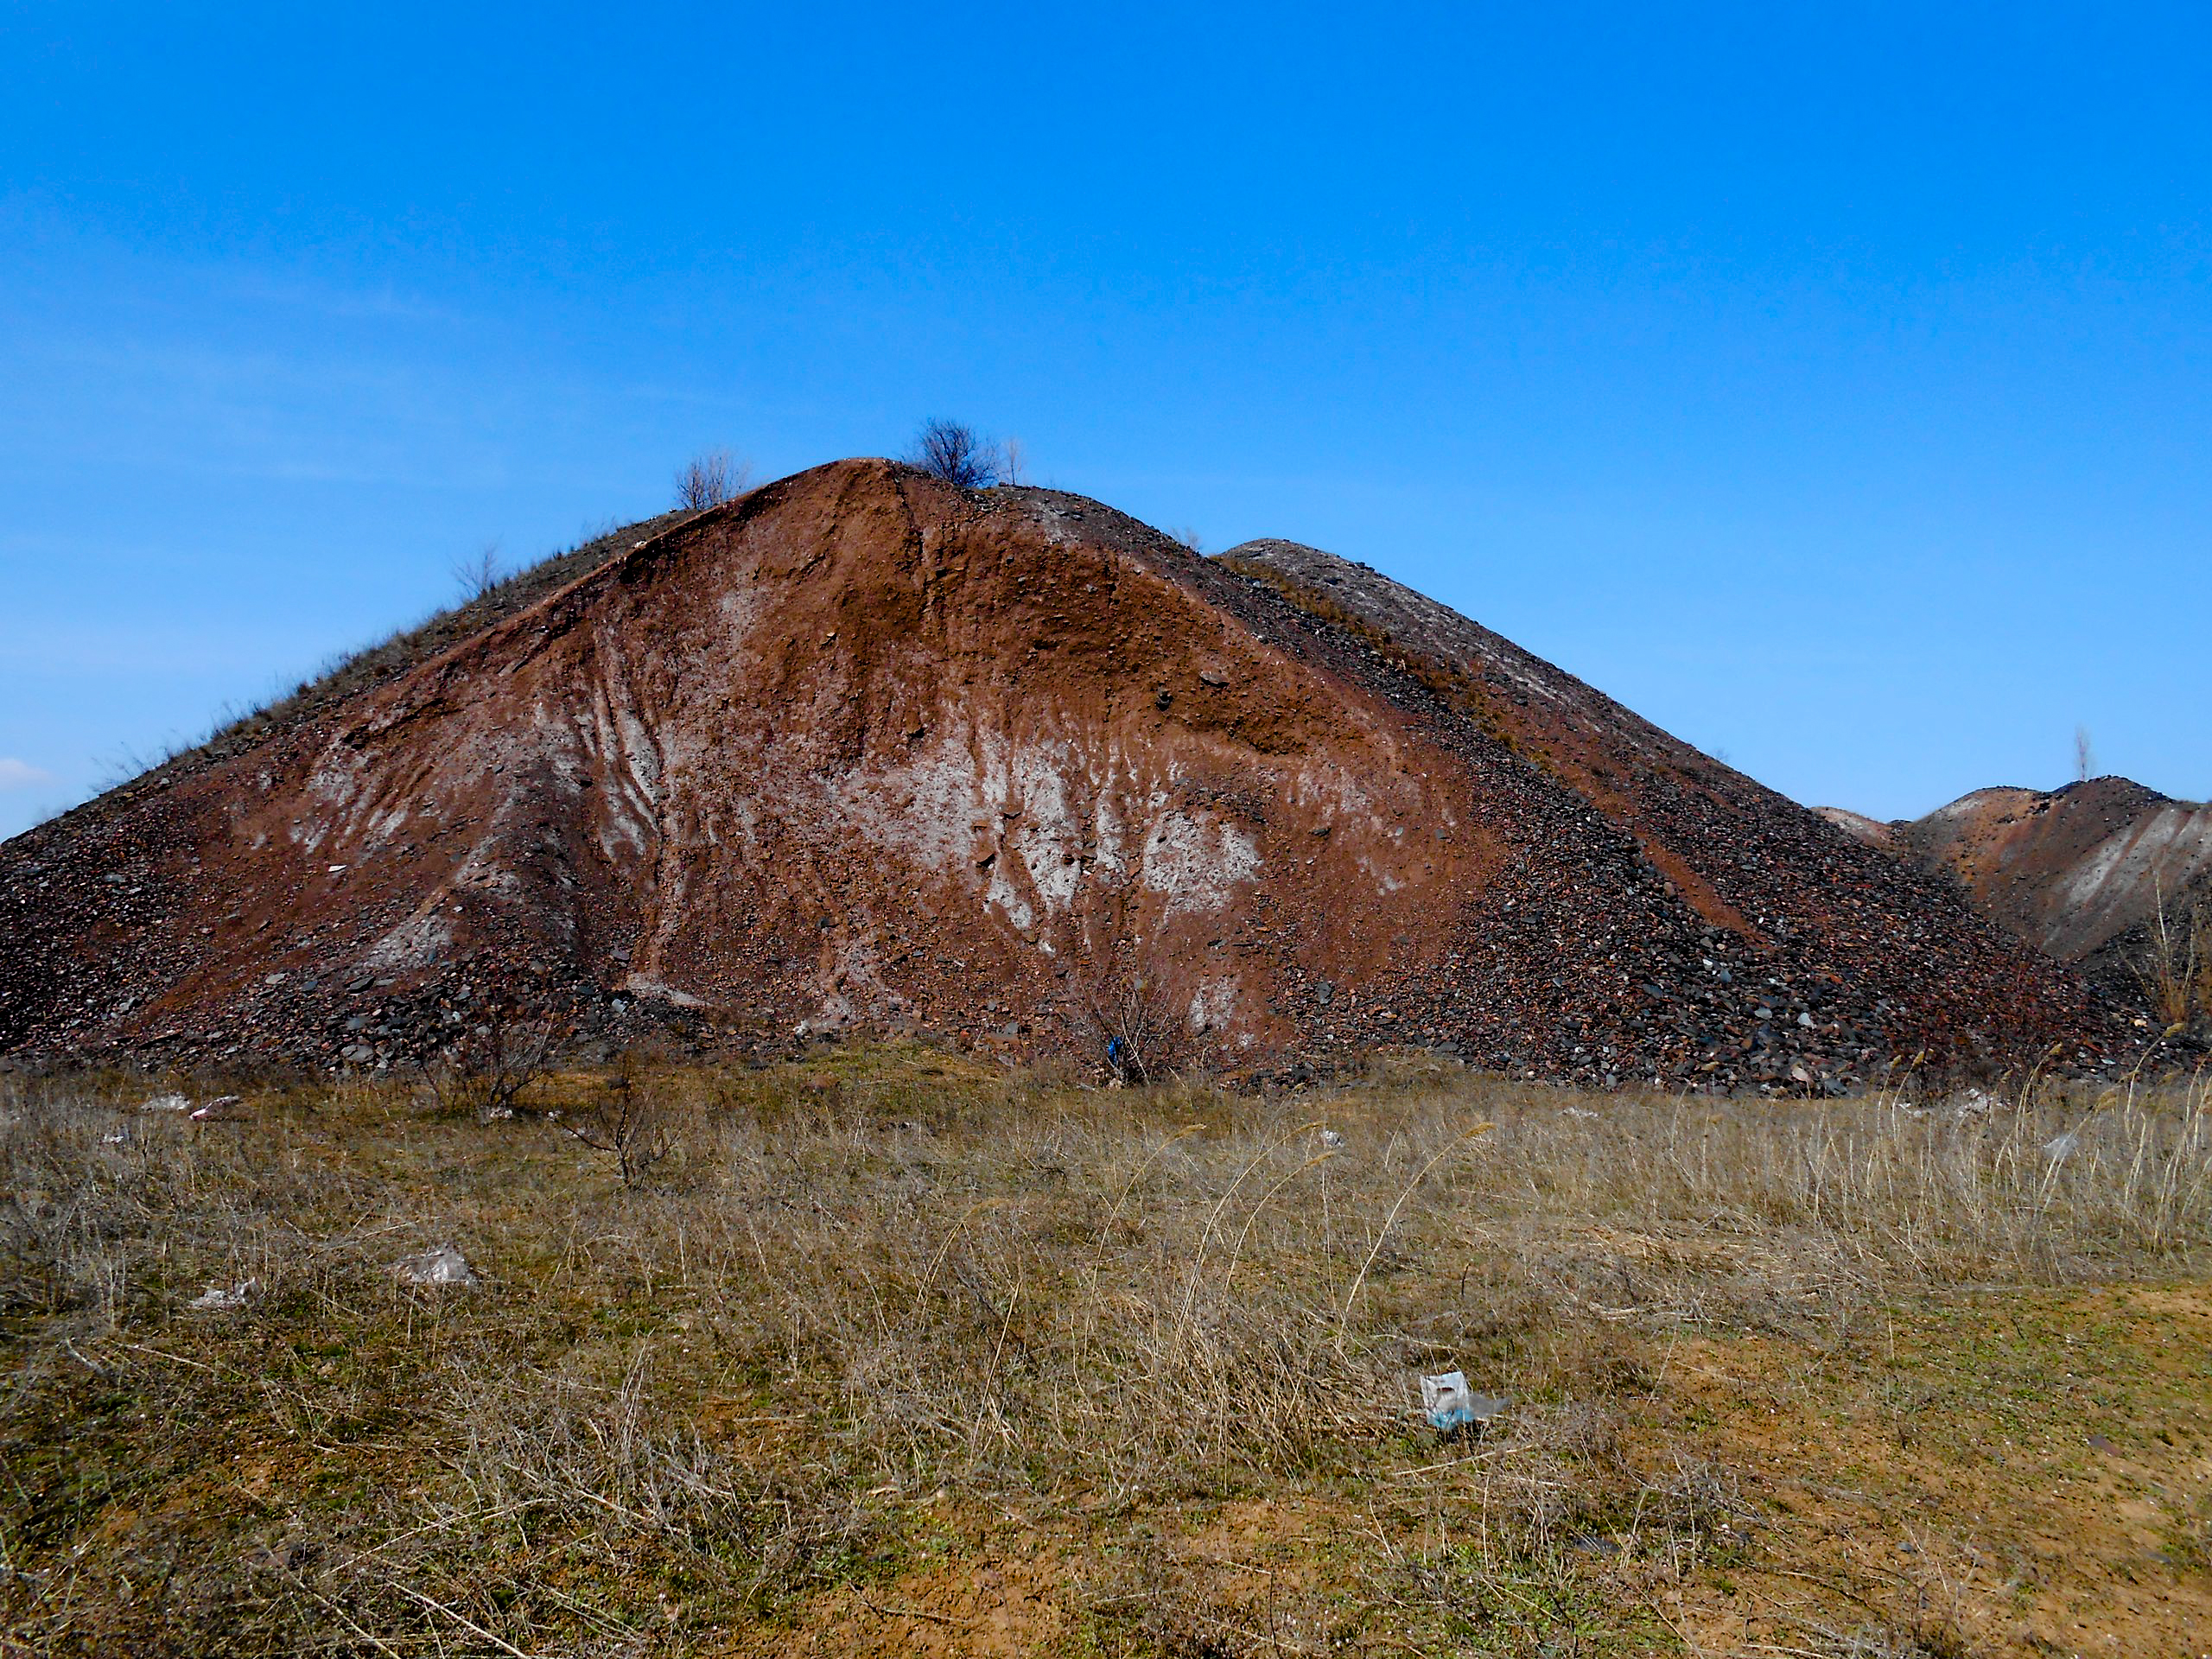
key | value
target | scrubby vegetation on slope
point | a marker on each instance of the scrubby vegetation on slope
(491, 601)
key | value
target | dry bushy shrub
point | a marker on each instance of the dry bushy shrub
(484, 1071)
(710, 478)
(478, 573)
(624, 1116)
(1134, 1024)
(956, 454)
(2176, 974)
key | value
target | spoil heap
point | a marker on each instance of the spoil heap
(861, 749)
(2080, 873)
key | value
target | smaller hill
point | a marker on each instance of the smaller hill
(2080, 873)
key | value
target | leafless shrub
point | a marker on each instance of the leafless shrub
(711, 477)
(483, 1071)
(1131, 1023)
(956, 454)
(479, 572)
(627, 1119)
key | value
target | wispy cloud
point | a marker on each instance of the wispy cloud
(384, 303)
(21, 775)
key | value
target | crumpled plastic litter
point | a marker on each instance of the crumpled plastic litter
(1452, 1404)
(444, 1266)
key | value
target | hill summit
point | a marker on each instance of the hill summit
(861, 749)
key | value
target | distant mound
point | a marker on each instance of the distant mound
(1859, 827)
(2079, 872)
(861, 749)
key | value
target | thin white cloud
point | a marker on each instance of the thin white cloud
(21, 775)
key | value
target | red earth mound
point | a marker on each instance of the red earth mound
(864, 750)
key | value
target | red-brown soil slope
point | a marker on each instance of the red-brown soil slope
(864, 749)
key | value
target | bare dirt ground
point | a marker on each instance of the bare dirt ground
(890, 1350)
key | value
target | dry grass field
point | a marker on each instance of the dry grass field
(890, 1351)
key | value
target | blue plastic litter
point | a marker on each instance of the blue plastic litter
(1451, 1404)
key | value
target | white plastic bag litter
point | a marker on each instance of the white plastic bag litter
(1452, 1404)
(444, 1266)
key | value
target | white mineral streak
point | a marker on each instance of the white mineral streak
(2151, 861)
(1007, 897)
(1049, 834)
(422, 939)
(1214, 1005)
(629, 765)
(642, 986)
(336, 776)
(1197, 864)
(925, 806)
(2131, 853)
(1032, 819)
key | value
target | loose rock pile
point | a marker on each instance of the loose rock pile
(861, 752)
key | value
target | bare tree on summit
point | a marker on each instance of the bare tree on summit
(956, 453)
(710, 478)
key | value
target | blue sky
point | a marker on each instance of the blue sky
(1828, 383)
